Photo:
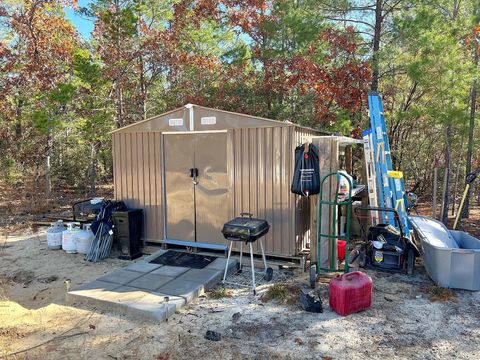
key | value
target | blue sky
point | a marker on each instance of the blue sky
(83, 25)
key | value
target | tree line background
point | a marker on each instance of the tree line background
(310, 62)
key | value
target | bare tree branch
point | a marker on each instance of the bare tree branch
(349, 20)
(391, 8)
(330, 7)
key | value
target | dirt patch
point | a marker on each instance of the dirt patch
(219, 293)
(24, 277)
(282, 293)
(12, 333)
(436, 293)
(399, 325)
(47, 279)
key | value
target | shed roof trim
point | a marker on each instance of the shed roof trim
(188, 106)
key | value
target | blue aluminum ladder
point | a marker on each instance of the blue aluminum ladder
(390, 184)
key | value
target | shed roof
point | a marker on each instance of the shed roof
(227, 119)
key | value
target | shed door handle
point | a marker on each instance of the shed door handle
(194, 172)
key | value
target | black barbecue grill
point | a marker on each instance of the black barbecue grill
(246, 229)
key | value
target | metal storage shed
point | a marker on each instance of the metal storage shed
(194, 168)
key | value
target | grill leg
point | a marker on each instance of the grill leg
(253, 269)
(263, 255)
(228, 260)
(241, 254)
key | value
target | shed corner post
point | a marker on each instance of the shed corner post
(190, 108)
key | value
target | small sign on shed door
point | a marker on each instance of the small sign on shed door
(208, 120)
(175, 122)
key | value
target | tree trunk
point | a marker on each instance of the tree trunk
(376, 44)
(455, 187)
(118, 82)
(48, 167)
(446, 175)
(457, 176)
(435, 186)
(93, 170)
(18, 124)
(468, 168)
(478, 196)
(143, 89)
(118, 105)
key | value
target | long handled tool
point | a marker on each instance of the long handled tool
(469, 180)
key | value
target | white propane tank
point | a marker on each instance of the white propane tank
(54, 235)
(84, 239)
(69, 237)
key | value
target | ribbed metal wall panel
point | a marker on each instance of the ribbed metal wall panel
(138, 177)
(262, 175)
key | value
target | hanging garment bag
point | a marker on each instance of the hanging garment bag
(306, 178)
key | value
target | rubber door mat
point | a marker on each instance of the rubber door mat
(176, 258)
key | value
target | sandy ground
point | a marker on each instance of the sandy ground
(403, 322)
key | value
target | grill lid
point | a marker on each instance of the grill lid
(247, 229)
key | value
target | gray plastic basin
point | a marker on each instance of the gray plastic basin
(452, 258)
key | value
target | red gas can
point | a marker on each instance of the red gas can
(350, 293)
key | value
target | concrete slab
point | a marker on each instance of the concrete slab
(125, 295)
(154, 306)
(188, 290)
(178, 301)
(94, 299)
(96, 285)
(154, 255)
(121, 277)
(218, 264)
(139, 290)
(95, 294)
(206, 277)
(150, 281)
(171, 270)
(143, 267)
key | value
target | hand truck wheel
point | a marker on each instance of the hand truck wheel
(313, 276)
(362, 258)
(269, 274)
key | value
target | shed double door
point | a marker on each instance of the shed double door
(196, 186)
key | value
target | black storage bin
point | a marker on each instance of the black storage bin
(390, 256)
(127, 229)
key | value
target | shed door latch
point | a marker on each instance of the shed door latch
(193, 172)
(194, 175)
